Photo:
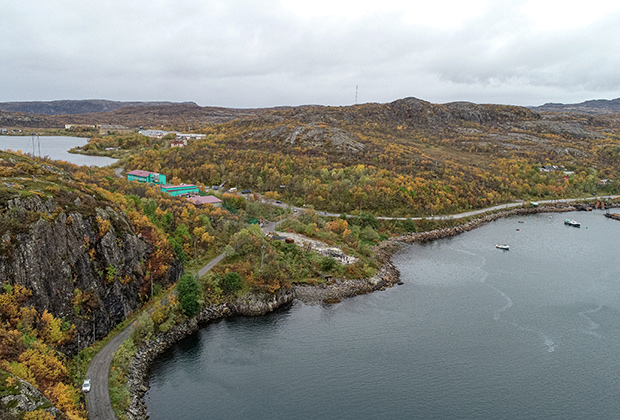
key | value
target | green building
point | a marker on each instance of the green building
(146, 177)
(183, 189)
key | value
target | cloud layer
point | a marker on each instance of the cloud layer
(252, 54)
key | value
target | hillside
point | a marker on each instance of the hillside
(592, 107)
(60, 236)
(404, 157)
(70, 107)
(183, 116)
(73, 264)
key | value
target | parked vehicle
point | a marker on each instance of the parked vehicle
(86, 385)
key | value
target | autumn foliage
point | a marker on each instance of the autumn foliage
(28, 349)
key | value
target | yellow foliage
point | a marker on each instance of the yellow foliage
(273, 195)
(338, 226)
(51, 331)
(103, 226)
(38, 415)
(64, 398)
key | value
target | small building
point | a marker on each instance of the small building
(177, 190)
(191, 136)
(78, 126)
(551, 168)
(178, 143)
(157, 134)
(207, 199)
(146, 177)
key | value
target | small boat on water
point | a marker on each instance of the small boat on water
(571, 222)
(505, 247)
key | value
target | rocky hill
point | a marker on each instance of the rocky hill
(593, 107)
(409, 111)
(69, 107)
(76, 251)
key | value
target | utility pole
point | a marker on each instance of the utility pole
(78, 358)
(262, 256)
(356, 94)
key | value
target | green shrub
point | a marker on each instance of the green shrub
(143, 330)
(231, 282)
(189, 292)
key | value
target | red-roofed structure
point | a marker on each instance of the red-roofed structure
(207, 199)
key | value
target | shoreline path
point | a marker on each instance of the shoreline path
(98, 399)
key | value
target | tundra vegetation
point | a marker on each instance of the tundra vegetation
(408, 158)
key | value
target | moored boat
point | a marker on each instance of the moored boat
(505, 247)
(571, 222)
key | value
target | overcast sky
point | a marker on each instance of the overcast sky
(263, 53)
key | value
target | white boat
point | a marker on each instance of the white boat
(505, 247)
(571, 222)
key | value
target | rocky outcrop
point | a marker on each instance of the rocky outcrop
(255, 304)
(568, 129)
(82, 263)
(315, 136)
(22, 398)
(339, 289)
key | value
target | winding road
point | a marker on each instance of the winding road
(98, 399)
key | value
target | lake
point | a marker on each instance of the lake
(55, 147)
(474, 333)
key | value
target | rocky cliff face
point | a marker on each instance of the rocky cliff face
(86, 268)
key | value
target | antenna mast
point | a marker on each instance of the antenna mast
(356, 94)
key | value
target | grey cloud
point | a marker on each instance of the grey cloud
(243, 54)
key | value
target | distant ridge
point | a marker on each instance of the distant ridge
(593, 107)
(72, 107)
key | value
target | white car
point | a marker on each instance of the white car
(86, 385)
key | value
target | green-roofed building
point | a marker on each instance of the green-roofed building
(146, 177)
(183, 189)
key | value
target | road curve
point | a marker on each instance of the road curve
(516, 203)
(98, 399)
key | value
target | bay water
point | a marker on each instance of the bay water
(54, 147)
(474, 333)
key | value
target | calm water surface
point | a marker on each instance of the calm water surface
(475, 333)
(55, 147)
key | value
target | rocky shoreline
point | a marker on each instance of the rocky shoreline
(263, 303)
(253, 304)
